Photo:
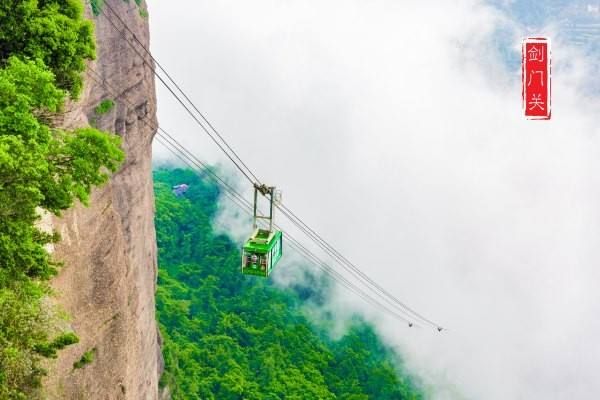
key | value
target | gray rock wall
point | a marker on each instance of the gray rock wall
(108, 280)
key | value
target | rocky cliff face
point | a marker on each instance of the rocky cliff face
(108, 280)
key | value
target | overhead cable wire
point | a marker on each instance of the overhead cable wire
(296, 245)
(184, 94)
(245, 171)
(343, 261)
(168, 142)
(311, 257)
(388, 299)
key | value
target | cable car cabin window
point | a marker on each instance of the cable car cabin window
(263, 262)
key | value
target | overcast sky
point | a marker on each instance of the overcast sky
(394, 129)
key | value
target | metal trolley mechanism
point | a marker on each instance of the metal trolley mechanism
(264, 248)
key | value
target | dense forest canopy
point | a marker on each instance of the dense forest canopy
(43, 48)
(230, 336)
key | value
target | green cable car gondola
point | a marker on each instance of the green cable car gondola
(264, 248)
(261, 252)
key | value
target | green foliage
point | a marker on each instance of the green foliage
(87, 358)
(53, 32)
(49, 350)
(96, 6)
(23, 325)
(104, 106)
(43, 48)
(229, 336)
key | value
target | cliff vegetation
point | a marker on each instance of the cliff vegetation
(43, 48)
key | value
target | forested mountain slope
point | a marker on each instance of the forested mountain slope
(229, 336)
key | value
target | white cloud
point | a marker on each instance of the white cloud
(394, 130)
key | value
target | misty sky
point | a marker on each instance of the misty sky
(394, 129)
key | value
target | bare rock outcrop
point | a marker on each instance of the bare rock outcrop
(107, 283)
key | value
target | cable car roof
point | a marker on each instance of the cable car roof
(262, 240)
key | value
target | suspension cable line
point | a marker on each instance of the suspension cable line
(171, 144)
(147, 51)
(297, 246)
(245, 171)
(343, 261)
